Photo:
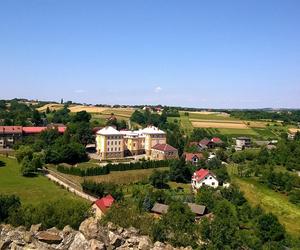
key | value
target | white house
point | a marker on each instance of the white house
(204, 177)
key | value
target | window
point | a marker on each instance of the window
(119, 142)
(107, 149)
(108, 143)
(210, 178)
(213, 183)
(115, 149)
(119, 149)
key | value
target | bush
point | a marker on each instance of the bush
(8, 203)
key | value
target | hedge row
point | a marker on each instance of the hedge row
(111, 167)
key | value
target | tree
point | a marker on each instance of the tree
(159, 179)
(8, 203)
(36, 118)
(179, 171)
(269, 228)
(27, 168)
(82, 116)
(178, 224)
(24, 151)
(206, 196)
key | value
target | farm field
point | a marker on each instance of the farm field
(271, 201)
(31, 190)
(222, 123)
(118, 177)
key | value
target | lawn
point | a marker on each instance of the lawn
(271, 201)
(30, 189)
(211, 116)
(186, 124)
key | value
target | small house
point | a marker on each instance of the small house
(193, 158)
(204, 177)
(163, 152)
(101, 206)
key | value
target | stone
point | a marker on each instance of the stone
(35, 228)
(28, 236)
(79, 243)
(96, 245)
(90, 228)
(115, 239)
(67, 240)
(49, 237)
(4, 244)
(68, 229)
(144, 243)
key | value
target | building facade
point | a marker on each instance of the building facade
(110, 143)
(204, 177)
(9, 135)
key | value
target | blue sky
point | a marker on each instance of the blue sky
(211, 54)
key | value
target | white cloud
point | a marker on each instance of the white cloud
(79, 91)
(157, 89)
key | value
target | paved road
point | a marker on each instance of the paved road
(70, 188)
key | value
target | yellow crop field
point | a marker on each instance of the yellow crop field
(51, 106)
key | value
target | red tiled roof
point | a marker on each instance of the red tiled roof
(37, 130)
(105, 203)
(10, 129)
(201, 174)
(164, 147)
(190, 156)
(216, 140)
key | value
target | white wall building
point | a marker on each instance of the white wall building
(204, 177)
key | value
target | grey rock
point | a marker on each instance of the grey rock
(35, 228)
(4, 244)
(79, 242)
(49, 237)
(144, 243)
(115, 239)
(96, 245)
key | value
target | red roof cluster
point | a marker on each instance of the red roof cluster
(190, 156)
(164, 147)
(105, 203)
(27, 130)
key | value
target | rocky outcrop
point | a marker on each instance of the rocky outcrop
(91, 236)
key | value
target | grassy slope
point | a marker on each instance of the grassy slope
(30, 190)
(271, 201)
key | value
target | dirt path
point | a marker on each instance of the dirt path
(67, 184)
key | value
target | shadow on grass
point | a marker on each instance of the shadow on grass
(2, 164)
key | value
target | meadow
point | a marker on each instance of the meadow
(271, 201)
(31, 190)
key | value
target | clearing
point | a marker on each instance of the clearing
(31, 190)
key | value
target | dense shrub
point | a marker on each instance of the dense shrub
(8, 203)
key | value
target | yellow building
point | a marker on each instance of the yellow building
(109, 143)
(153, 136)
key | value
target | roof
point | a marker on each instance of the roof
(216, 140)
(190, 156)
(201, 174)
(105, 203)
(37, 130)
(10, 129)
(152, 130)
(159, 208)
(204, 142)
(164, 147)
(197, 209)
(109, 130)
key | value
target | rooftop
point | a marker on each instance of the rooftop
(109, 130)
(164, 147)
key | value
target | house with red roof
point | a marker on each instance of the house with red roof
(216, 140)
(163, 152)
(9, 135)
(193, 158)
(204, 177)
(101, 206)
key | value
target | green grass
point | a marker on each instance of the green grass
(89, 164)
(31, 190)
(271, 201)
(237, 132)
(264, 132)
(186, 124)
(211, 116)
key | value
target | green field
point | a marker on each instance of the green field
(186, 124)
(118, 177)
(198, 115)
(30, 189)
(271, 201)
